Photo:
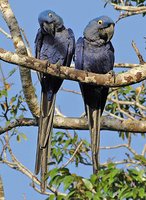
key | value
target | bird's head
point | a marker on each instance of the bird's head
(50, 22)
(99, 30)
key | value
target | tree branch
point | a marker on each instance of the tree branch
(1, 190)
(125, 65)
(20, 167)
(70, 123)
(25, 74)
(132, 76)
(5, 33)
(130, 8)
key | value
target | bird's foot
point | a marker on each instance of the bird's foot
(58, 65)
(113, 74)
(47, 65)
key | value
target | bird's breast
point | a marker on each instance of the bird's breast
(54, 49)
(95, 58)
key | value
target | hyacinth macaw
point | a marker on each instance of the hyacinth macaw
(56, 44)
(95, 53)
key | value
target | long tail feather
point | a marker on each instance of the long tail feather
(94, 126)
(44, 137)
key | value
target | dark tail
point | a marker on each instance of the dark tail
(94, 126)
(44, 137)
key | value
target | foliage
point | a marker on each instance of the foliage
(68, 149)
(110, 183)
(13, 107)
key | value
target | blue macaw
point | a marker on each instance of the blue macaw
(95, 53)
(56, 44)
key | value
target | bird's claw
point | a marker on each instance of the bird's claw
(58, 65)
(113, 74)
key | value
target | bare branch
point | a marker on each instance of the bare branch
(130, 8)
(141, 60)
(144, 151)
(113, 147)
(75, 152)
(29, 52)
(1, 190)
(21, 168)
(17, 123)
(5, 33)
(132, 76)
(70, 123)
(125, 65)
(125, 161)
(71, 91)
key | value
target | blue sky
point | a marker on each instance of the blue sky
(76, 14)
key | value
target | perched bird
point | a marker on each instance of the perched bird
(95, 53)
(56, 44)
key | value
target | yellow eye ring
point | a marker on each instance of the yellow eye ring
(50, 14)
(100, 22)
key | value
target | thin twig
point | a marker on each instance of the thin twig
(125, 161)
(68, 90)
(20, 167)
(5, 33)
(144, 150)
(121, 110)
(131, 103)
(141, 60)
(72, 157)
(112, 115)
(125, 65)
(113, 147)
(27, 42)
(39, 191)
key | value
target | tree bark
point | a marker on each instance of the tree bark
(129, 77)
(20, 48)
(71, 123)
(1, 190)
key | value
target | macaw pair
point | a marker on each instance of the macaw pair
(93, 53)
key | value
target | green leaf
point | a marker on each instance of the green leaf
(12, 72)
(18, 138)
(68, 180)
(88, 184)
(51, 197)
(3, 93)
(52, 173)
(89, 195)
(60, 197)
(64, 171)
(13, 99)
(142, 192)
(141, 158)
(93, 178)
(22, 135)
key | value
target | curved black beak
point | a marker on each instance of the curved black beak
(49, 28)
(107, 33)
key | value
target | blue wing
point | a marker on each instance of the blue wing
(79, 54)
(38, 43)
(71, 47)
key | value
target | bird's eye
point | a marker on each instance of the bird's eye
(50, 14)
(100, 22)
